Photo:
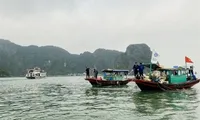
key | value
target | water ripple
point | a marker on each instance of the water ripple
(61, 98)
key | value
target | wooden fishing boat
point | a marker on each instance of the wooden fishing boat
(111, 77)
(156, 86)
(170, 79)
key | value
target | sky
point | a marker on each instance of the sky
(171, 27)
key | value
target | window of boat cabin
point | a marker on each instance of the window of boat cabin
(118, 73)
(183, 72)
(175, 72)
(179, 72)
(107, 73)
(165, 72)
(169, 72)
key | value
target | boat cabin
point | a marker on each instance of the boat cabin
(115, 74)
(173, 75)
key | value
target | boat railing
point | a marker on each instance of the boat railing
(114, 77)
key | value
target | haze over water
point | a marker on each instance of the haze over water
(73, 98)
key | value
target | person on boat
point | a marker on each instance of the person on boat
(135, 69)
(141, 70)
(87, 70)
(191, 71)
(95, 73)
(194, 77)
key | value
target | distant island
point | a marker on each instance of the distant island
(16, 59)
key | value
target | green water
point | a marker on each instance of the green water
(73, 98)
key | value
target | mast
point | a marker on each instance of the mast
(154, 59)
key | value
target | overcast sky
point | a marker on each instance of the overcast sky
(171, 27)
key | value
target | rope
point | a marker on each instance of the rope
(161, 87)
(164, 88)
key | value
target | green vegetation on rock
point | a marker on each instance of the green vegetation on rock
(4, 73)
(17, 59)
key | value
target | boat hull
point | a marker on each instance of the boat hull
(96, 82)
(155, 86)
(30, 77)
(35, 77)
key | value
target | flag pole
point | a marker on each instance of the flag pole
(152, 58)
(152, 55)
(186, 67)
(150, 68)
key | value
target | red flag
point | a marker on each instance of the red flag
(188, 60)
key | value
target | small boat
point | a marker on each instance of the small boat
(111, 77)
(166, 79)
(35, 73)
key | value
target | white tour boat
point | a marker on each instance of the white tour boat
(35, 73)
